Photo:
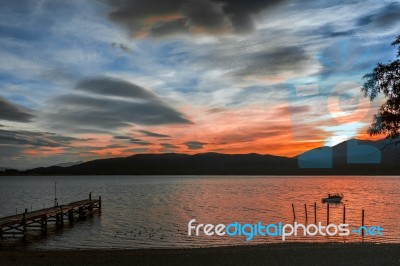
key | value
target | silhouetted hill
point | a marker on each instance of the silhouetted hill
(352, 157)
(68, 164)
(178, 164)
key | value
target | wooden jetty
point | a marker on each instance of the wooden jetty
(40, 219)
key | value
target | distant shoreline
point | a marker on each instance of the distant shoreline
(268, 254)
(339, 162)
(208, 175)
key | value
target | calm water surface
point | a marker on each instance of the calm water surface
(153, 211)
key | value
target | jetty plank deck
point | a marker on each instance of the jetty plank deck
(19, 223)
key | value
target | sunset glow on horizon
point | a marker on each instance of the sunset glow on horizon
(83, 80)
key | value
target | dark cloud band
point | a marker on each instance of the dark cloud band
(101, 110)
(195, 145)
(165, 17)
(153, 134)
(12, 112)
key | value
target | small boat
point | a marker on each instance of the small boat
(333, 198)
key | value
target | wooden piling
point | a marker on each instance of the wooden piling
(24, 221)
(305, 209)
(62, 216)
(315, 213)
(43, 224)
(327, 214)
(80, 211)
(71, 216)
(362, 221)
(294, 213)
(99, 204)
(344, 214)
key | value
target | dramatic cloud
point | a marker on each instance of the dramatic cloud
(169, 146)
(153, 134)
(160, 17)
(87, 112)
(276, 62)
(136, 150)
(133, 140)
(13, 112)
(195, 145)
(226, 65)
(139, 142)
(115, 87)
(122, 137)
(36, 139)
(22, 148)
(264, 59)
(387, 16)
(121, 46)
(168, 28)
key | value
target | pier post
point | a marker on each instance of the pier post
(62, 216)
(44, 224)
(80, 211)
(315, 213)
(362, 222)
(99, 205)
(71, 216)
(305, 209)
(90, 196)
(327, 214)
(24, 221)
(344, 214)
(294, 213)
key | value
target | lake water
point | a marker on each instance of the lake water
(154, 211)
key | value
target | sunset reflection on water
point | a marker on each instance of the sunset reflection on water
(154, 211)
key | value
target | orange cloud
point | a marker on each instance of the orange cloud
(44, 151)
(252, 129)
(162, 18)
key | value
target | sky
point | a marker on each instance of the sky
(82, 80)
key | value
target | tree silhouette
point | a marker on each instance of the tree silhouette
(385, 78)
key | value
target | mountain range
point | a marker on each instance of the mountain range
(352, 157)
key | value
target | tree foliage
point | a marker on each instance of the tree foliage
(385, 78)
